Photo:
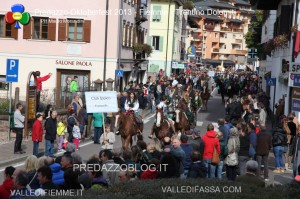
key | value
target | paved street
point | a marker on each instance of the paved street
(215, 111)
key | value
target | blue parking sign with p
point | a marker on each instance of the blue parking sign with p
(12, 69)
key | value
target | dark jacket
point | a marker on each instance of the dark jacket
(293, 128)
(142, 102)
(99, 183)
(32, 177)
(49, 185)
(244, 145)
(279, 137)
(197, 170)
(225, 131)
(197, 144)
(251, 179)
(224, 149)
(51, 128)
(264, 143)
(57, 174)
(187, 150)
(122, 101)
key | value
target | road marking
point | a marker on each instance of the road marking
(146, 120)
(199, 123)
(59, 153)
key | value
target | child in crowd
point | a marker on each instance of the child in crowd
(107, 138)
(61, 129)
(76, 134)
(37, 133)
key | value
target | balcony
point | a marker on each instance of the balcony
(215, 50)
(238, 41)
(199, 49)
(237, 30)
(141, 16)
(226, 29)
(209, 27)
(239, 52)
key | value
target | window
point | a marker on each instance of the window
(155, 42)
(225, 35)
(233, 36)
(40, 28)
(216, 35)
(156, 13)
(75, 30)
(128, 35)
(5, 29)
(224, 47)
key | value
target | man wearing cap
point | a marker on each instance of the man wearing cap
(196, 142)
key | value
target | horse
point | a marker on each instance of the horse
(162, 128)
(205, 95)
(182, 123)
(127, 127)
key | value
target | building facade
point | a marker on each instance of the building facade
(221, 30)
(280, 58)
(67, 40)
(165, 34)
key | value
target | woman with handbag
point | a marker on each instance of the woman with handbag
(233, 145)
(211, 151)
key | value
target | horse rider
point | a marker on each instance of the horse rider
(171, 98)
(162, 105)
(132, 104)
(184, 104)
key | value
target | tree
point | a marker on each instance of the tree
(253, 36)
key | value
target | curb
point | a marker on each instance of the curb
(20, 159)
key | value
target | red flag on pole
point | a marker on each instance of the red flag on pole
(297, 44)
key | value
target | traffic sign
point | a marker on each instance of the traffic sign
(12, 70)
(271, 81)
(119, 73)
(296, 79)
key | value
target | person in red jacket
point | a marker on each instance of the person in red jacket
(37, 133)
(8, 183)
(210, 142)
(39, 86)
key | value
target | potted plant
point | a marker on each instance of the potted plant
(294, 28)
(281, 41)
(138, 48)
(147, 49)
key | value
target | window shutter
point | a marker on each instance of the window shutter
(62, 30)
(156, 13)
(27, 30)
(161, 44)
(87, 31)
(284, 19)
(149, 40)
(14, 31)
(52, 29)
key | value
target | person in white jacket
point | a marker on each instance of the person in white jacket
(19, 125)
(132, 104)
(107, 138)
(76, 134)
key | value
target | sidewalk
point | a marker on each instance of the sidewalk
(7, 156)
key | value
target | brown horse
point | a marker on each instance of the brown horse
(182, 123)
(205, 95)
(163, 127)
(128, 128)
